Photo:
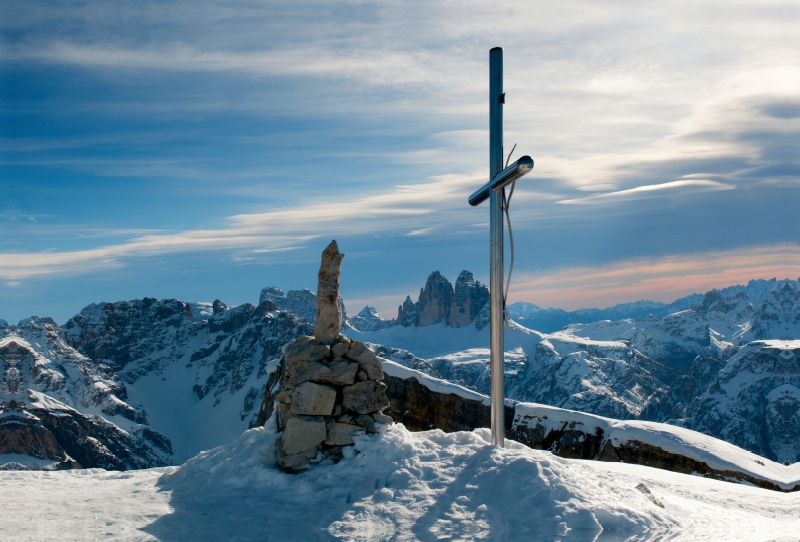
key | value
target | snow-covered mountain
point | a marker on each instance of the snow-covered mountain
(153, 382)
(145, 382)
(550, 320)
(724, 367)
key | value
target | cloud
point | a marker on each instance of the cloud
(646, 191)
(659, 279)
(396, 210)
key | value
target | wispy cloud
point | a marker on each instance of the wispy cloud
(396, 210)
(658, 279)
(647, 191)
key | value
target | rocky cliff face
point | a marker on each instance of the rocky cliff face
(469, 297)
(753, 401)
(439, 303)
(435, 300)
(142, 379)
(55, 407)
(407, 314)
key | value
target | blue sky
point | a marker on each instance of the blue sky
(204, 150)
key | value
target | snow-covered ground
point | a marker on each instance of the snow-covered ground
(401, 486)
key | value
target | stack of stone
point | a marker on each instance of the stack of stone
(327, 394)
(330, 385)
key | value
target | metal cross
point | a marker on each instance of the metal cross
(499, 179)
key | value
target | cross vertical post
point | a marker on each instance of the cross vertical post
(496, 99)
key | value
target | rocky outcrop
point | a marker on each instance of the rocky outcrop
(196, 368)
(469, 298)
(369, 320)
(62, 438)
(435, 300)
(407, 314)
(753, 401)
(328, 319)
(438, 302)
(39, 399)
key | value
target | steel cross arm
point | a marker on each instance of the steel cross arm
(504, 178)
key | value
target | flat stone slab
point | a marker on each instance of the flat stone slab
(305, 348)
(303, 433)
(341, 434)
(341, 347)
(299, 371)
(295, 462)
(313, 399)
(367, 360)
(365, 397)
(340, 373)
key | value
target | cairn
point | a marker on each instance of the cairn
(330, 385)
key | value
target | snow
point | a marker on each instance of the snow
(401, 486)
(438, 385)
(717, 454)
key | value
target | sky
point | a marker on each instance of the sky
(203, 150)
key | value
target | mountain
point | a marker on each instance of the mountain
(550, 320)
(151, 382)
(144, 382)
(439, 302)
(60, 410)
(724, 367)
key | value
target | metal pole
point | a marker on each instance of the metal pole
(496, 100)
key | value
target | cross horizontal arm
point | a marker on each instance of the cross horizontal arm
(502, 179)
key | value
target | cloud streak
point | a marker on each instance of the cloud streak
(658, 279)
(646, 191)
(399, 209)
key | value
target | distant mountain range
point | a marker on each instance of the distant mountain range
(149, 382)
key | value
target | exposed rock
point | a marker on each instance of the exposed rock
(329, 312)
(274, 294)
(313, 399)
(340, 373)
(266, 306)
(420, 409)
(300, 371)
(369, 320)
(302, 433)
(484, 317)
(382, 418)
(341, 434)
(407, 313)
(296, 462)
(303, 303)
(305, 348)
(365, 397)
(341, 347)
(438, 302)
(468, 299)
(219, 307)
(367, 360)
(366, 421)
(435, 300)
